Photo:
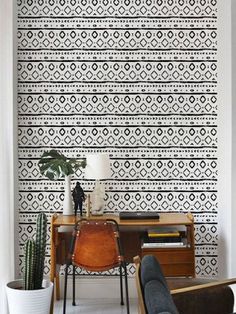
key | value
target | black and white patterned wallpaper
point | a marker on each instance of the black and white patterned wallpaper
(136, 79)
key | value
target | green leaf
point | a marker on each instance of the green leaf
(80, 164)
(54, 165)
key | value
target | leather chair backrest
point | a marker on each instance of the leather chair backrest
(96, 246)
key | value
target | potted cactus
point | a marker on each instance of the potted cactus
(55, 165)
(32, 294)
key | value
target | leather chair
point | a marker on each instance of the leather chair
(159, 295)
(96, 247)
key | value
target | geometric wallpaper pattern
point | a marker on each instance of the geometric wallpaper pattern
(136, 79)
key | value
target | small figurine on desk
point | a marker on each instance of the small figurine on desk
(79, 197)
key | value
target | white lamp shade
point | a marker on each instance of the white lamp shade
(97, 167)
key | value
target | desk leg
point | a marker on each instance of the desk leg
(57, 283)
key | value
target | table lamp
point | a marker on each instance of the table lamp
(97, 168)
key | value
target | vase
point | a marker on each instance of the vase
(68, 203)
(22, 301)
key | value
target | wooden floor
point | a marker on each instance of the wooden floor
(96, 306)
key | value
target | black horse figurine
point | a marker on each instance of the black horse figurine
(79, 198)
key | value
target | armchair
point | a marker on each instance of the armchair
(158, 295)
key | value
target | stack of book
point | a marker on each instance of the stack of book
(163, 237)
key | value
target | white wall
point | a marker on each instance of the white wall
(224, 135)
(7, 148)
(227, 135)
(233, 215)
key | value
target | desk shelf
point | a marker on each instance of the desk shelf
(175, 261)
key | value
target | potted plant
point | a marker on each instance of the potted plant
(32, 294)
(55, 165)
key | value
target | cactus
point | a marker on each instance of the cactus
(35, 255)
(29, 265)
(40, 242)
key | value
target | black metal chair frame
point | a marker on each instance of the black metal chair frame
(121, 267)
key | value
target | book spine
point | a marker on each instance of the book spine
(163, 239)
(163, 245)
(163, 235)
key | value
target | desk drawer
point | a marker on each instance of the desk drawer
(182, 270)
(174, 262)
(170, 256)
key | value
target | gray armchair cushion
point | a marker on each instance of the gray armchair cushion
(151, 270)
(158, 299)
(156, 292)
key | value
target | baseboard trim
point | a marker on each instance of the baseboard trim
(97, 287)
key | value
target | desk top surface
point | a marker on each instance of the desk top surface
(165, 219)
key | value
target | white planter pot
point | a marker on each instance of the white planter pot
(29, 301)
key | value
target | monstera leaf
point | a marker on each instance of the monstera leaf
(54, 165)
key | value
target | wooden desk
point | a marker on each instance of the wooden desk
(174, 261)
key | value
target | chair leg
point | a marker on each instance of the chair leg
(126, 288)
(121, 287)
(65, 289)
(73, 301)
